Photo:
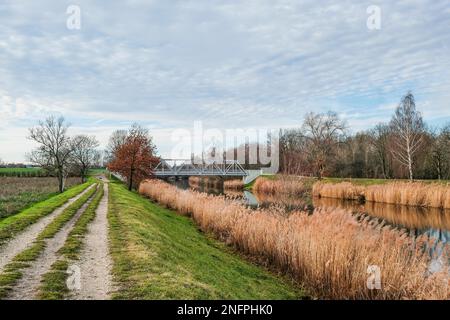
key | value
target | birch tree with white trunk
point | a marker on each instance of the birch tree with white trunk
(408, 129)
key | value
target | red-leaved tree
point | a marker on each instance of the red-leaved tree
(134, 159)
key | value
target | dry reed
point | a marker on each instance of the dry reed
(236, 184)
(280, 185)
(329, 251)
(343, 190)
(419, 194)
(208, 182)
(412, 194)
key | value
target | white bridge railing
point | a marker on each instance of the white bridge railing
(182, 167)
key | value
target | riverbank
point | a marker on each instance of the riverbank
(329, 251)
(159, 254)
(418, 194)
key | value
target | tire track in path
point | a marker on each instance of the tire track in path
(27, 286)
(25, 239)
(95, 263)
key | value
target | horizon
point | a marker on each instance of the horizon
(261, 64)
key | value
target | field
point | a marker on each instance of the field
(22, 172)
(17, 194)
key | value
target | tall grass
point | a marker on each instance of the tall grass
(235, 184)
(419, 194)
(208, 182)
(343, 190)
(280, 184)
(412, 194)
(286, 201)
(329, 251)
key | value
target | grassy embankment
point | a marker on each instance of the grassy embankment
(12, 225)
(53, 284)
(159, 254)
(13, 271)
(19, 193)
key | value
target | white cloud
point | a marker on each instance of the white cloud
(228, 63)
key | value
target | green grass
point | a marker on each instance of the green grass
(9, 170)
(53, 284)
(13, 270)
(12, 225)
(357, 181)
(93, 172)
(22, 172)
(158, 254)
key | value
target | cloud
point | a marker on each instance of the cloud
(227, 63)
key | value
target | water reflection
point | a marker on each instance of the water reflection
(400, 216)
(430, 222)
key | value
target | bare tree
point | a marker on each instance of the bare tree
(322, 132)
(116, 140)
(440, 152)
(292, 153)
(408, 128)
(55, 148)
(84, 153)
(379, 139)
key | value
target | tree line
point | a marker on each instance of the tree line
(405, 147)
(60, 154)
(130, 153)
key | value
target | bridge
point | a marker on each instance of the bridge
(187, 168)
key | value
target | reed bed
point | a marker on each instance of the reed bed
(419, 194)
(411, 194)
(343, 190)
(280, 185)
(329, 251)
(208, 182)
(286, 201)
(235, 184)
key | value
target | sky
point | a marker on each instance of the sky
(229, 64)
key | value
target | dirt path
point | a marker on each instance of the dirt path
(95, 263)
(25, 239)
(27, 286)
